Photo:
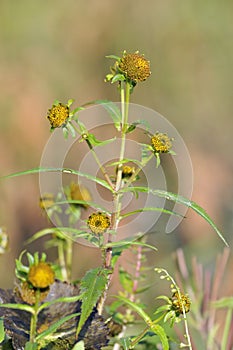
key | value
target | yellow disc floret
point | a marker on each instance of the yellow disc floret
(41, 275)
(161, 143)
(58, 115)
(135, 67)
(98, 223)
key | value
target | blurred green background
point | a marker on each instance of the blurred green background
(56, 50)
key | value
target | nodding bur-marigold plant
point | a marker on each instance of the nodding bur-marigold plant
(49, 308)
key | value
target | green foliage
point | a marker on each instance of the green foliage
(91, 287)
(82, 305)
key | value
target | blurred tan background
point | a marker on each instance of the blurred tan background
(56, 50)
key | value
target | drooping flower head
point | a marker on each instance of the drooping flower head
(58, 115)
(135, 67)
(98, 222)
(161, 143)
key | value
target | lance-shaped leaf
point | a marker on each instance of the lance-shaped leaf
(62, 170)
(91, 287)
(181, 200)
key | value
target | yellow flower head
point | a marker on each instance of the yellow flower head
(98, 223)
(58, 115)
(161, 143)
(79, 193)
(135, 67)
(41, 275)
(179, 302)
(46, 201)
(127, 171)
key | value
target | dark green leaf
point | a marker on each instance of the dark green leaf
(91, 287)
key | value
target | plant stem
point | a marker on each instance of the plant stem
(226, 329)
(69, 256)
(33, 324)
(61, 259)
(115, 218)
(139, 337)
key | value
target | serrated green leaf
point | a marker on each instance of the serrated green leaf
(91, 287)
(181, 200)
(62, 170)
